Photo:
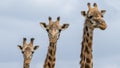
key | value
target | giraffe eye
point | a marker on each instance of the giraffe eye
(32, 52)
(90, 17)
(59, 30)
(22, 51)
(102, 16)
(47, 30)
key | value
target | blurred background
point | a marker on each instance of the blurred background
(21, 18)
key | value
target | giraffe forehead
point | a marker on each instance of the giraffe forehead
(54, 26)
(94, 12)
(27, 48)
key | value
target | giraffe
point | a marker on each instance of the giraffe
(27, 51)
(93, 19)
(53, 29)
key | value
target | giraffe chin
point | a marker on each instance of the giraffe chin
(103, 27)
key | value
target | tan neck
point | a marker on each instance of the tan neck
(86, 51)
(26, 65)
(50, 58)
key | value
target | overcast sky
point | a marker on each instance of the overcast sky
(20, 18)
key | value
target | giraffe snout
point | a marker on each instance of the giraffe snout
(103, 25)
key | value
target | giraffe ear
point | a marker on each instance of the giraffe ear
(103, 12)
(20, 47)
(43, 24)
(83, 13)
(64, 26)
(36, 47)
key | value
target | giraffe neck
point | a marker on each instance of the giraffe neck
(50, 59)
(86, 51)
(26, 65)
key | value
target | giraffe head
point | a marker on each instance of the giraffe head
(27, 50)
(54, 29)
(95, 17)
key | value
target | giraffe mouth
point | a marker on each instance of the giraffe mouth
(103, 26)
